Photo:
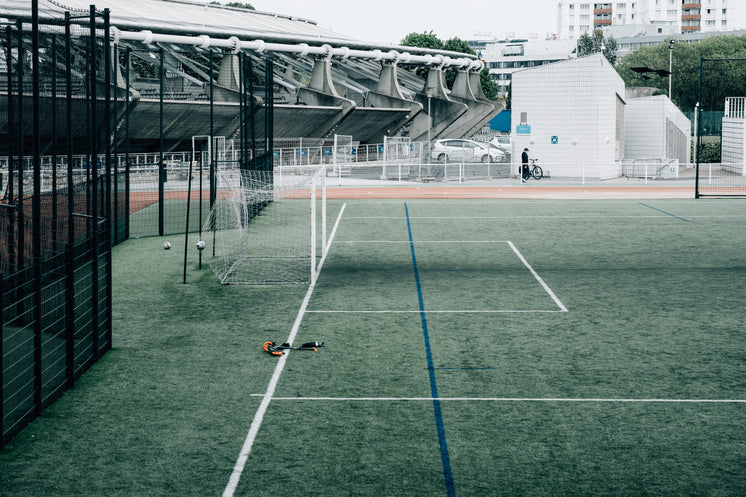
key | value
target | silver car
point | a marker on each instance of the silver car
(463, 150)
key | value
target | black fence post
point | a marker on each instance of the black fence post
(12, 246)
(699, 128)
(36, 206)
(108, 198)
(269, 119)
(94, 239)
(70, 247)
(127, 55)
(161, 165)
(53, 138)
(213, 179)
(21, 233)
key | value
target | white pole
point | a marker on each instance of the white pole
(324, 247)
(313, 229)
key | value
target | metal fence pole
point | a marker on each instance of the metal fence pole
(161, 165)
(21, 233)
(127, 169)
(69, 249)
(36, 205)
(94, 185)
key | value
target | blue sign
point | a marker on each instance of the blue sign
(275, 154)
(380, 149)
(555, 140)
(327, 152)
(523, 129)
(302, 152)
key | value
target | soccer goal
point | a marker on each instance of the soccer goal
(268, 228)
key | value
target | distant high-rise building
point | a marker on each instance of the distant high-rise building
(681, 16)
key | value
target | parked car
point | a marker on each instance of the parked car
(457, 150)
(503, 143)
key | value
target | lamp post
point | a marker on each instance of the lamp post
(670, 65)
(429, 92)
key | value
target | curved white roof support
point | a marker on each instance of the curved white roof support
(234, 44)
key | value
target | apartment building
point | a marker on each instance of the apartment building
(682, 16)
(504, 57)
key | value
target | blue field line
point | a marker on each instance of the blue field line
(447, 473)
(664, 212)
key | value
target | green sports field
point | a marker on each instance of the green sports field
(472, 348)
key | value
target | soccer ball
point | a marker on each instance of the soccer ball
(200, 245)
(166, 245)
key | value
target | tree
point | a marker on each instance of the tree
(588, 45)
(431, 40)
(720, 79)
(423, 40)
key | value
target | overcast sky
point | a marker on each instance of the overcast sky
(388, 21)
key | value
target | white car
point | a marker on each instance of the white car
(502, 142)
(458, 150)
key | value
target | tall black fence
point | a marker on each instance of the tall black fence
(721, 154)
(100, 142)
(55, 262)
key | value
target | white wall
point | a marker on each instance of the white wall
(646, 134)
(734, 142)
(645, 128)
(575, 101)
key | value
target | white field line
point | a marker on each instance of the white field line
(259, 415)
(538, 278)
(421, 241)
(539, 216)
(512, 399)
(497, 311)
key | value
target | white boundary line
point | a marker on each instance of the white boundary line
(259, 415)
(506, 311)
(538, 278)
(512, 399)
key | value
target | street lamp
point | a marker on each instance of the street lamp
(670, 65)
(429, 93)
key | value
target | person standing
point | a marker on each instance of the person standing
(524, 166)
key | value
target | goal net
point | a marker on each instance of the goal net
(267, 227)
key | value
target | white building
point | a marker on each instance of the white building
(657, 137)
(577, 17)
(570, 115)
(507, 56)
(734, 136)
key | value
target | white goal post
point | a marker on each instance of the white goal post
(267, 227)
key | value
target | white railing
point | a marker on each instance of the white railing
(735, 107)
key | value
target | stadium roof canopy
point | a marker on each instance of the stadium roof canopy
(190, 17)
(326, 82)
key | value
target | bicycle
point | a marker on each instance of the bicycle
(535, 171)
